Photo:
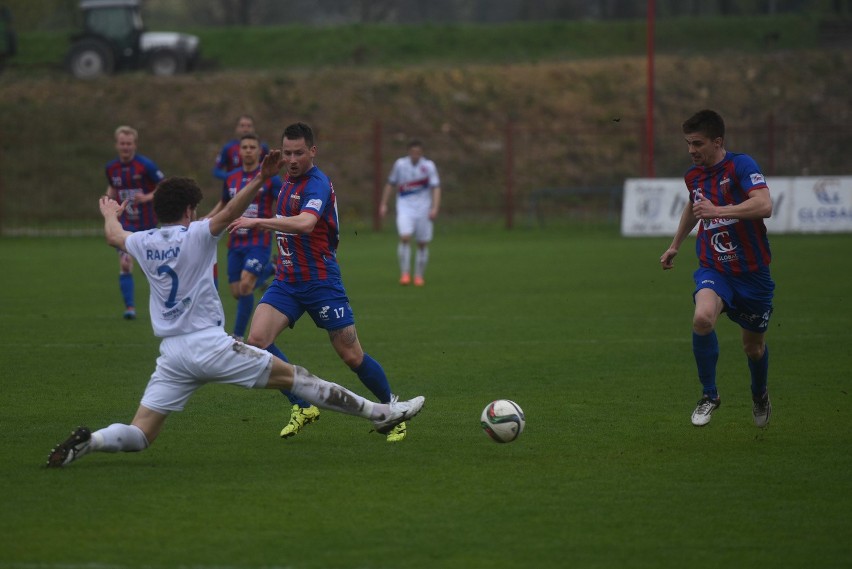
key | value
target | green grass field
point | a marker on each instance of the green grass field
(579, 326)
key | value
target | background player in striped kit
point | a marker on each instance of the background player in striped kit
(308, 277)
(729, 198)
(248, 249)
(131, 177)
(415, 180)
(228, 158)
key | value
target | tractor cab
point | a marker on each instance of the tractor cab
(112, 38)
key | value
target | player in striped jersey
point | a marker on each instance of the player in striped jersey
(228, 158)
(728, 199)
(131, 177)
(248, 249)
(415, 181)
(308, 276)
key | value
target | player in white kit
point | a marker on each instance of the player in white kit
(186, 313)
(415, 180)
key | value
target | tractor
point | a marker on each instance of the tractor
(113, 39)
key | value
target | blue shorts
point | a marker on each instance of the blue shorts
(251, 259)
(325, 301)
(747, 297)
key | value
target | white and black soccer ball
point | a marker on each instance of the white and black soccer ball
(503, 420)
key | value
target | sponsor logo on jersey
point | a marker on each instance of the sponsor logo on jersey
(757, 178)
(718, 222)
(314, 204)
(722, 243)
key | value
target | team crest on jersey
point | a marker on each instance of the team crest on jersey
(725, 186)
(315, 204)
(295, 200)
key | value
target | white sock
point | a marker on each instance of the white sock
(329, 395)
(403, 253)
(420, 261)
(119, 438)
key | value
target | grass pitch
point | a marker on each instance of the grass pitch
(581, 328)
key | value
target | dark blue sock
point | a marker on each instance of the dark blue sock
(244, 306)
(273, 349)
(125, 283)
(706, 351)
(373, 377)
(759, 374)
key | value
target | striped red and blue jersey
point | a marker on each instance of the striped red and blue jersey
(730, 246)
(229, 159)
(263, 206)
(313, 256)
(140, 175)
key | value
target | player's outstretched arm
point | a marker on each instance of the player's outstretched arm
(270, 167)
(113, 231)
(687, 222)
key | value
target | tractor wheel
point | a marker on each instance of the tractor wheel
(164, 62)
(89, 59)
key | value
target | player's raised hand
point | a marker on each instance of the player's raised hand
(111, 207)
(272, 164)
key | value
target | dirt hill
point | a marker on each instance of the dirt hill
(569, 124)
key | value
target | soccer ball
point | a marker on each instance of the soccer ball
(503, 420)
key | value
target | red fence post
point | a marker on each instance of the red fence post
(649, 113)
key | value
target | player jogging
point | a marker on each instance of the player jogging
(248, 249)
(133, 178)
(414, 179)
(729, 199)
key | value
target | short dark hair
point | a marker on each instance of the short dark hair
(172, 197)
(299, 130)
(415, 142)
(706, 122)
(250, 135)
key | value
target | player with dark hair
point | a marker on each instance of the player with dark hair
(414, 179)
(133, 178)
(308, 277)
(729, 199)
(187, 314)
(229, 158)
(248, 249)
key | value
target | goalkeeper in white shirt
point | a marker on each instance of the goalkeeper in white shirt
(415, 180)
(177, 259)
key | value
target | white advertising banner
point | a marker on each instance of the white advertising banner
(822, 204)
(652, 206)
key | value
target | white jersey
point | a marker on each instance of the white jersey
(178, 262)
(414, 183)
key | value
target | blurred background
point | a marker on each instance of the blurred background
(535, 111)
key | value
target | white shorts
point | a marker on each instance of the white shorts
(419, 226)
(190, 361)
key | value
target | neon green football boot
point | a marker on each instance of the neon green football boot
(299, 417)
(397, 433)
